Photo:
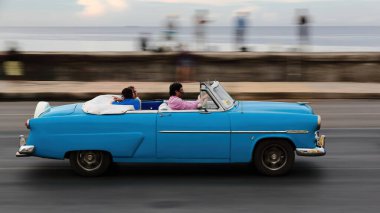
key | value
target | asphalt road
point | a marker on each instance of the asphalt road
(347, 179)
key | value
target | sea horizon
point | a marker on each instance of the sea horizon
(218, 38)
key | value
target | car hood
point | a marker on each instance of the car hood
(299, 108)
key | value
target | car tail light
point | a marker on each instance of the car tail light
(27, 124)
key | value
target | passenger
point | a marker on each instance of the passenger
(127, 99)
(175, 101)
(134, 92)
(118, 99)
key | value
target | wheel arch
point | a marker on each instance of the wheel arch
(67, 154)
(271, 138)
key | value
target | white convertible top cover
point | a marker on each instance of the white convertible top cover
(102, 105)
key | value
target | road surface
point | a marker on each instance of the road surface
(347, 179)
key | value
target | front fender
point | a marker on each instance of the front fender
(243, 145)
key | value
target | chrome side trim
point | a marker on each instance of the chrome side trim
(224, 132)
(260, 132)
(241, 132)
(142, 112)
(297, 131)
(281, 131)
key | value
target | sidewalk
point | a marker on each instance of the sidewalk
(73, 90)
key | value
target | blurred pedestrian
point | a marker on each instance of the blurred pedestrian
(171, 28)
(200, 21)
(303, 29)
(144, 39)
(13, 66)
(185, 64)
(241, 30)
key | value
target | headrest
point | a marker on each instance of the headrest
(102, 105)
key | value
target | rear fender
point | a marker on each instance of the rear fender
(117, 144)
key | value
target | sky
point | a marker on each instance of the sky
(155, 12)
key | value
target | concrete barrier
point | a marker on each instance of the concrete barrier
(227, 67)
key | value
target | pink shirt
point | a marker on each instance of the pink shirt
(176, 103)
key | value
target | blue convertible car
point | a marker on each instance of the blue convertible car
(94, 134)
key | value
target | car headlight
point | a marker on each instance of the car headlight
(319, 122)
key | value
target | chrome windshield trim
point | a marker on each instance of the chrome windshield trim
(238, 132)
(211, 92)
(210, 87)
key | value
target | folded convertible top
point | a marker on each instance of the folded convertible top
(102, 105)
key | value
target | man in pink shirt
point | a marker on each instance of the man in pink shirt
(175, 101)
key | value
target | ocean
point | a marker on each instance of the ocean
(120, 39)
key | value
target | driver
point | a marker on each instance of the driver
(175, 101)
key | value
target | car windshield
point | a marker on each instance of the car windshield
(220, 93)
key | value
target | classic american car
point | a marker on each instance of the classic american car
(94, 134)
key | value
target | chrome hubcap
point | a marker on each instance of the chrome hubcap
(90, 160)
(274, 157)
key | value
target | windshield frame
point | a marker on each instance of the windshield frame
(218, 91)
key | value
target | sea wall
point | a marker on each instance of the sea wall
(168, 67)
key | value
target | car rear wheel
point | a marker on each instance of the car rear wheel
(90, 163)
(274, 157)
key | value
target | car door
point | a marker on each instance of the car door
(195, 134)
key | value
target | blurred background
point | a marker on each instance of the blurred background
(323, 51)
(224, 25)
(189, 41)
(183, 40)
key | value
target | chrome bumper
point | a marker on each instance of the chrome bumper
(24, 150)
(319, 150)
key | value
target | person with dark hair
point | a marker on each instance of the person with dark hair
(128, 98)
(133, 91)
(175, 87)
(134, 95)
(175, 102)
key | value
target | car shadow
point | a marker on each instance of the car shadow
(303, 171)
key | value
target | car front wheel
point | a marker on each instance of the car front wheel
(274, 157)
(90, 163)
